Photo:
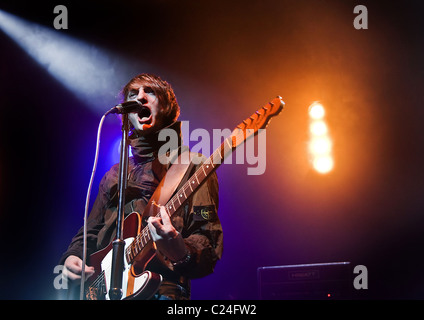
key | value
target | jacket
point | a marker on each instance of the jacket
(197, 220)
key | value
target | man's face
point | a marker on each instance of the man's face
(151, 118)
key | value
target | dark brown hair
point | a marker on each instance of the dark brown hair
(162, 90)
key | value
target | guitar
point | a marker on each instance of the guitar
(140, 249)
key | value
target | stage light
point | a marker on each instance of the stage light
(316, 111)
(323, 164)
(320, 146)
(318, 128)
(92, 74)
(320, 143)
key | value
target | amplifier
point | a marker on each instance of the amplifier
(318, 281)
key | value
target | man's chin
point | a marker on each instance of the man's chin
(144, 129)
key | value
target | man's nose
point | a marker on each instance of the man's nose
(142, 96)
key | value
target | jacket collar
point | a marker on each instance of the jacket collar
(146, 148)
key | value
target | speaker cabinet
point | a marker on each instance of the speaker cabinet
(318, 281)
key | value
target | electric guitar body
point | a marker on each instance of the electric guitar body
(136, 283)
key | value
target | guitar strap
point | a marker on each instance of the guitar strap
(179, 160)
(169, 183)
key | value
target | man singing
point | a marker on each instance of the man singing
(190, 242)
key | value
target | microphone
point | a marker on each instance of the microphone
(126, 107)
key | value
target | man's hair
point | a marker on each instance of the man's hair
(162, 90)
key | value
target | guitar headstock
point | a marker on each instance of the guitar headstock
(261, 118)
(245, 130)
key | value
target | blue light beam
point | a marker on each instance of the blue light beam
(94, 75)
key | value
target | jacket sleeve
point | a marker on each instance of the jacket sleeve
(201, 231)
(94, 224)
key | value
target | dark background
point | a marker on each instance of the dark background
(225, 59)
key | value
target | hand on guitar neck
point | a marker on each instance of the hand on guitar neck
(168, 240)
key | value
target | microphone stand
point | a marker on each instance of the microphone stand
(115, 291)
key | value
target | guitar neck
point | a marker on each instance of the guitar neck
(199, 177)
(183, 194)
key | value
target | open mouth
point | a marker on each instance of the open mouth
(144, 115)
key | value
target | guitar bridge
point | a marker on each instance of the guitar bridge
(97, 291)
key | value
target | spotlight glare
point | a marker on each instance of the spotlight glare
(316, 111)
(323, 164)
(320, 144)
(93, 75)
(318, 128)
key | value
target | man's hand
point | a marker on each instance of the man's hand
(73, 269)
(168, 240)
